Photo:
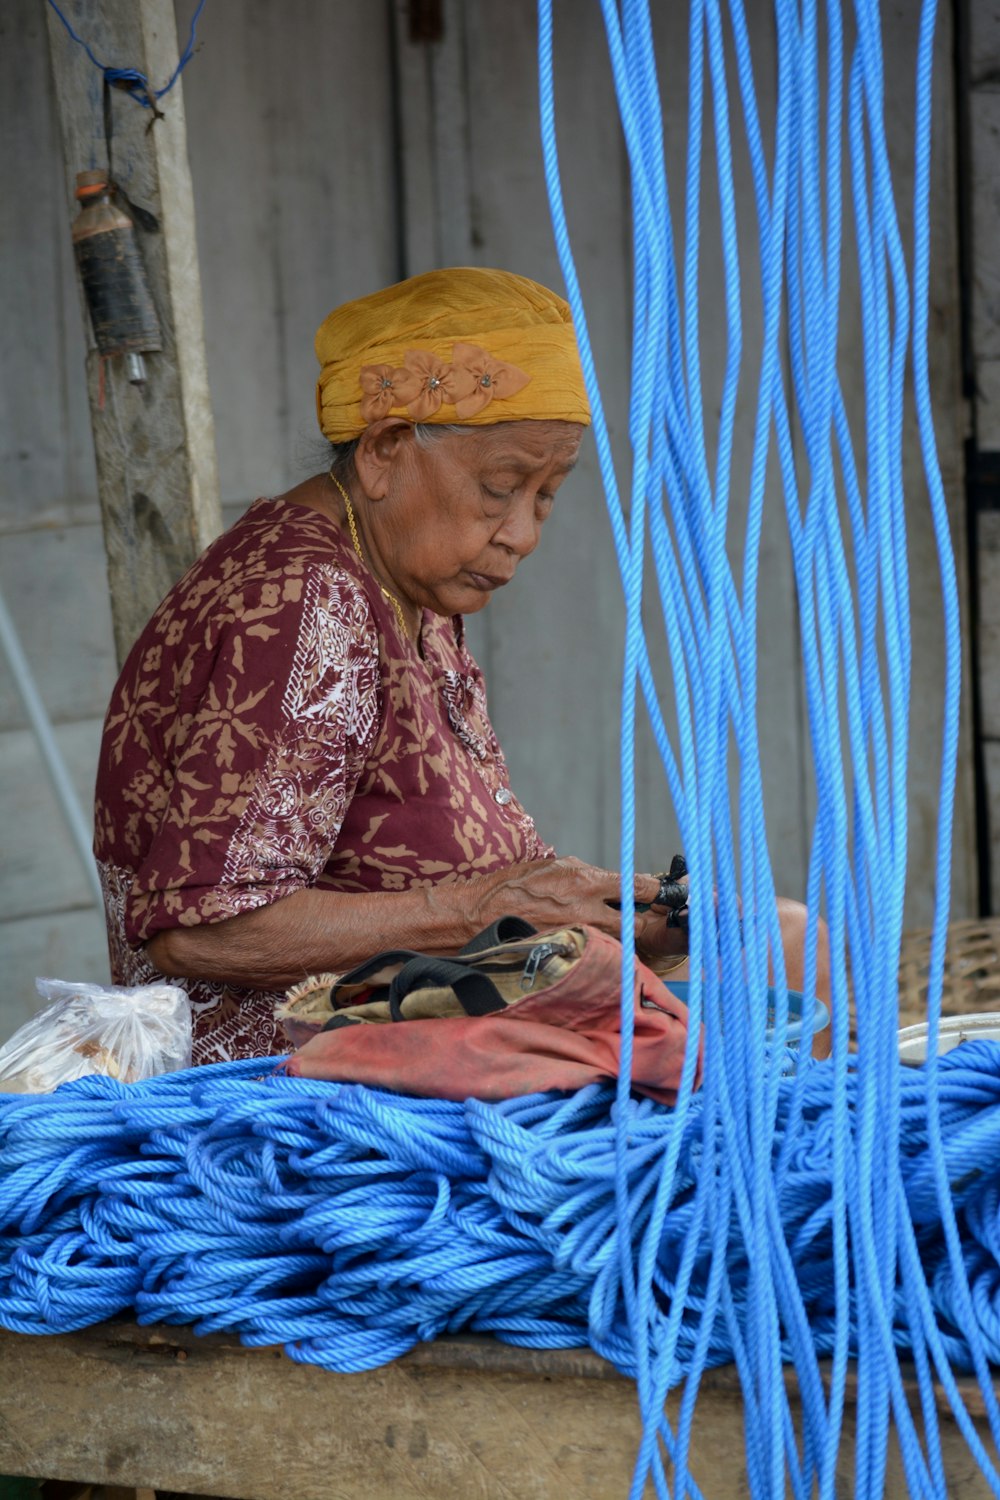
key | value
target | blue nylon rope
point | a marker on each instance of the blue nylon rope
(857, 663)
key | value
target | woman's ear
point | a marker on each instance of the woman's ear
(380, 448)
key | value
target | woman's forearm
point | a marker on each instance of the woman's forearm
(315, 930)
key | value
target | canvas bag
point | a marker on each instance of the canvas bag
(517, 1012)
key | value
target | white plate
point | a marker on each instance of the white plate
(951, 1031)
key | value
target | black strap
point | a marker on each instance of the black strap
(503, 930)
(336, 1023)
(372, 966)
(143, 217)
(477, 995)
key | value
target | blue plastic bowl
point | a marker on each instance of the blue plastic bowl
(793, 1032)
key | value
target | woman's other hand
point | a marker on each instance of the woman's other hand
(662, 932)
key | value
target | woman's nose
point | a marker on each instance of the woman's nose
(520, 528)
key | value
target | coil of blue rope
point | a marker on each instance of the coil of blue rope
(349, 1224)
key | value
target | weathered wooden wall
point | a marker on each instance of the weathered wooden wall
(980, 66)
(51, 555)
(331, 154)
(293, 155)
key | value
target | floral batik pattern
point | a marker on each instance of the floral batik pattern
(272, 730)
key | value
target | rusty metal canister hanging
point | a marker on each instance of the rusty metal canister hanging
(114, 278)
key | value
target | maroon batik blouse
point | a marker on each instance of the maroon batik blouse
(272, 729)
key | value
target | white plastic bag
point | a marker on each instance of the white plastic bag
(124, 1033)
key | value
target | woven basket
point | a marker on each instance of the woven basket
(971, 973)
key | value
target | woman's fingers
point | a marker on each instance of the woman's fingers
(656, 938)
(646, 889)
(671, 894)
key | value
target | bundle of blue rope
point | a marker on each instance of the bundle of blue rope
(349, 1224)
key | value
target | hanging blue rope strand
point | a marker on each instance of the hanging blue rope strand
(862, 834)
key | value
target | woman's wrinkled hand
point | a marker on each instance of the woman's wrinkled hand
(551, 893)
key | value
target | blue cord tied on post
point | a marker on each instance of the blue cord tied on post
(130, 80)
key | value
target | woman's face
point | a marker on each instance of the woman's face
(450, 522)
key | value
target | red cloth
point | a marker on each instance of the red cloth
(563, 1037)
(272, 729)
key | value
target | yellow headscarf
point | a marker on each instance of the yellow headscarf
(459, 345)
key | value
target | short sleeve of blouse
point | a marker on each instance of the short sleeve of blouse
(273, 748)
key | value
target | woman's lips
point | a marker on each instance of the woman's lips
(485, 582)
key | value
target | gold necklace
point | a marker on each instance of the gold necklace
(361, 556)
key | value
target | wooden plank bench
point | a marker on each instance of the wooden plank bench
(464, 1418)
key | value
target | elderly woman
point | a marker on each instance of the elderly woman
(298, 769)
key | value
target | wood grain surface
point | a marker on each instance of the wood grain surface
(462, 1419)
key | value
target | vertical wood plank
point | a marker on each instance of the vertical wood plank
(229, 120)
(292, 144)
(991, 767)
(46, 451)
(551, 643)
(900, 33)
(332, 169)
(979, 112)
(988, 562)
(434, 92)
(780, 711)
(155, 448)
(984, 167)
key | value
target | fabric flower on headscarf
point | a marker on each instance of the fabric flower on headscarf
(380, 395)
(422, 384)
(477, 377)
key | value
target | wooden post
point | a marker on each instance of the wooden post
(155, 447)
